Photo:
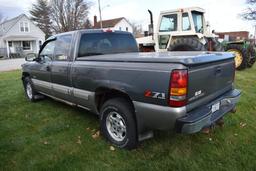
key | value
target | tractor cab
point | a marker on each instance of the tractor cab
(178, 23)
(181, 22)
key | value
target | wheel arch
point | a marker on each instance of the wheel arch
(24, 75)
(102, 94)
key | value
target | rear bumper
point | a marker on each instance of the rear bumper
(202, 117)
(155, 117)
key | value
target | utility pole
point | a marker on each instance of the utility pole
(100, 14)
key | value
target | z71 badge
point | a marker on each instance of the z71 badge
(155, 95)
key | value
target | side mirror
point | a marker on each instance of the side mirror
(31, 57)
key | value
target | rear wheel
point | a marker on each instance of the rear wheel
(118, 124)
(252, 56)
(186, 44)
(241, 57)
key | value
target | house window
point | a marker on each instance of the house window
(120, 28)
(127, 29)
(26, 45)
(10, 44)
(24, 27)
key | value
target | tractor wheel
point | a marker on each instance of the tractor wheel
(252, 56)
(241, 57)
(217, 46)
(186, 44)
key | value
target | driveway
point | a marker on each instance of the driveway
(11, 64)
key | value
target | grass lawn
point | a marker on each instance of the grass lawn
(49, 135)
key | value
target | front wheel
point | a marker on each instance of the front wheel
(29, 89)
(118, 124)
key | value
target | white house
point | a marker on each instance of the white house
(114, 24)
(20, 35)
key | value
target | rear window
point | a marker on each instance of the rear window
(106, 43)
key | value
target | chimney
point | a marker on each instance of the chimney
(95, 20)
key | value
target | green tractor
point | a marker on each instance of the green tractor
(245, 55)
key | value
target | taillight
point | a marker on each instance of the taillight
(178, 88)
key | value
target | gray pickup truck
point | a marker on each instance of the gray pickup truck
(133, 93)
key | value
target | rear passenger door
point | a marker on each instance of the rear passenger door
(60, 68)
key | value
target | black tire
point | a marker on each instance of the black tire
(30, 94)
(186, 44)
(114, 107)
(217, 46)
(236, 48)
(252, 56)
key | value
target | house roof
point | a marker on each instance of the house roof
(8, 24)
(12, 19)
(108, 23)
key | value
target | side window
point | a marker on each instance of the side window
(168, 23)
(62, 48)
(47, 52)
(198, 21)
(185, 22)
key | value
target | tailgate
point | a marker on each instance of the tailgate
(208, 81)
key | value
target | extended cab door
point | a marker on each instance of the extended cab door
(60, 67)
(41, 72)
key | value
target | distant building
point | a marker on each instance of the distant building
(232, 36)
(121, 24)
(20, 35)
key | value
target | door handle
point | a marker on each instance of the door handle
(48, 68)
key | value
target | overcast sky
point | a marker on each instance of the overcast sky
(223, 15)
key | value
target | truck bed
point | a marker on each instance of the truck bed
(210, 74)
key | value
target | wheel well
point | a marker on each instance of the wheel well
(104, 94)
(24, 75)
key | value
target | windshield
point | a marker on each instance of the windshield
(198, 21)
(168, 23)
(106, 43)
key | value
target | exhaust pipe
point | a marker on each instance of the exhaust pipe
(151, 25)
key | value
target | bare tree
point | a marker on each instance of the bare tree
(250, 12)
(68, 15)
(87, 24)
(137, 29)
(40, 14)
